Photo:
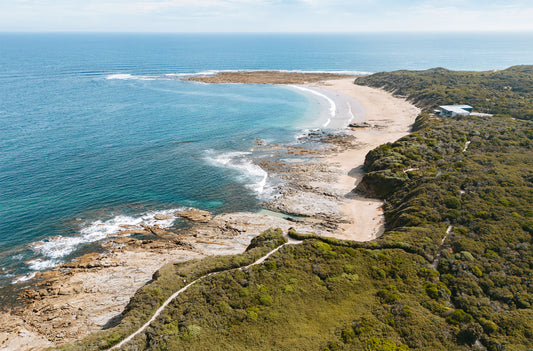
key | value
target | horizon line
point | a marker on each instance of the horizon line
(529, 31)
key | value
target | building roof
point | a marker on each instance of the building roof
(460, 109)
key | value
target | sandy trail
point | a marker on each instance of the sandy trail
(182, 290)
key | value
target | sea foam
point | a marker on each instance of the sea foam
(255, 176)
(23, 278)
(127, 76)
(350, 113)
(53, 250)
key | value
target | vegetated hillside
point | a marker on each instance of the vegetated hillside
(485, 264)
(507, 92)
(415, 287)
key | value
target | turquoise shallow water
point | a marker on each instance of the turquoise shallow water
(96, 132)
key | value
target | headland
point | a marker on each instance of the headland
(266, 77)
(315, 195)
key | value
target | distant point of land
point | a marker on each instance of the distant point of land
(267, 77)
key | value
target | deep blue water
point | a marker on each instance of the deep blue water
(95, 131)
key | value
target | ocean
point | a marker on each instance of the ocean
(98, 131)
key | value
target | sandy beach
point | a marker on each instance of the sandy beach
(75, 299)
(390, 119)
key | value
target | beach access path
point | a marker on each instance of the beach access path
(182, 290)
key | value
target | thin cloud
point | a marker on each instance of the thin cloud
(265, 15)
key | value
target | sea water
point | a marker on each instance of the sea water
(98, 132)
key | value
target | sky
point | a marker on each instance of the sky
(264, 15)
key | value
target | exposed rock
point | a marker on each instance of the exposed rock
(162, 217)
(84, 295)
(184, 244)
(266, 77)
(90, 260)
(195, 215)
(306, 204)
(341, 141)
(15, 335)
(359, 125)
(160, 232)
(295, 150)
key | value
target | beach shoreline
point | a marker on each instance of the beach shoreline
(89, 294)
(388, 119)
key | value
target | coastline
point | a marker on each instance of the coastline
(390, 119)
(77, 298)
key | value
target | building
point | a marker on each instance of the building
(454, 110)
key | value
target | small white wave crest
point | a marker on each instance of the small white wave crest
(166, 76)
(350, 113)
(255, 176)
(169, 76)
(127, 76)
(332, 105)
(305, 133)
(23, 278)
(54, 249)
(340, 72)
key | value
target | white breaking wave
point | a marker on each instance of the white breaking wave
(56, 248)
(23, 278)
(167, 76)
(250, 172)
(127, 76)
(332, 105)
(119, 76)
(211, 72)
(350, 113)
(304, 133)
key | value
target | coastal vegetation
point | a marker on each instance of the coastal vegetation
(171, 278)
(453, 270)
(499, 92)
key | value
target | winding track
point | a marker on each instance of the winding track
(177, 293)
(439, 251)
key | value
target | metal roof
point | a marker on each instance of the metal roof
(460, 109)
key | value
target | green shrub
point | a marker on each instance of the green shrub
(389, 294)
(488, 326)
(266, 300)
(476, 271)
(452, 202)
(347, 335)
(458, 317)
(244, 292)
